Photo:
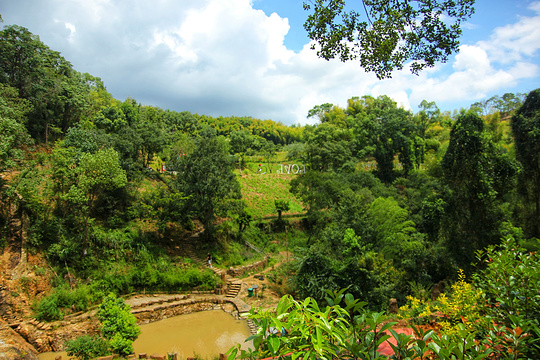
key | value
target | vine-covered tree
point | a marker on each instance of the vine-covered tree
(392, 33)
(526, 130)
(476, 171)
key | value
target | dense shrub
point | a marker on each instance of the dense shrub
(121, 280)
(510, 284)
(87, 347)
(346, 330)
(501, 307)
(462, 309)
(119, 325)
(62, 300)
(47, 309)
(369, 277)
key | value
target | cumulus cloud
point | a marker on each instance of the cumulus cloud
(473, 77)
(223, 57)
(513, 42)
(487, 67)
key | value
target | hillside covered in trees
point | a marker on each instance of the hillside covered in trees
(392, 202)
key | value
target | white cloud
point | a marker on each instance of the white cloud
(524, 70)
(72, 31)
(513, 42)
(222, 57)
(471, 58)
(485, 68)
(473, 77)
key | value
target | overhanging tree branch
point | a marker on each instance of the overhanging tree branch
(396, 32)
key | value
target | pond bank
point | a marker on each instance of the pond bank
(204, 334)
(47, 337)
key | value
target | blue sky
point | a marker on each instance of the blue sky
(252, 57)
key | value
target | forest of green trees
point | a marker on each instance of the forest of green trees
(394, 201)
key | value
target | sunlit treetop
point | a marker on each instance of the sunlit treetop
(384, 35)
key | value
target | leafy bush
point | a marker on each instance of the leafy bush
(510, 283)
(460, 310)
(418, 311)
(78, 299)
(53, 307)
(346, 330)
(119, 325)
(186, 279)
(143, 277)
(160, 275)
(47, 309)
(464, 306)
(87, 347)
(501, 308)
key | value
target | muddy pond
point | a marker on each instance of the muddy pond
(205, 334)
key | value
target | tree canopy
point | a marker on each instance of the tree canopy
(392, 33)
(206, 176)
(394, 201)
(526, 130)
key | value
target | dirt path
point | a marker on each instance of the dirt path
(264, 297)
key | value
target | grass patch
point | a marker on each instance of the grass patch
(260, 191)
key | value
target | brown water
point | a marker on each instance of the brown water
(205, 334)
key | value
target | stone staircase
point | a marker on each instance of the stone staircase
(188, 249)
(233, 288)
(233, 285)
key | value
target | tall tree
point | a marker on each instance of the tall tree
(82, 178)
(12, 120)
(320, 111)
(241, 141)
(505, 104)
(206, 176)
(526, 129)
(473, 170)
(393, 32)
(328, 147)
(429, 114)
(183, 122)
(383, 130)
(20, 58)
(59, 95)
(153, 140)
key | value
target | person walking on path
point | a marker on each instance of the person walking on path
(209, 258)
